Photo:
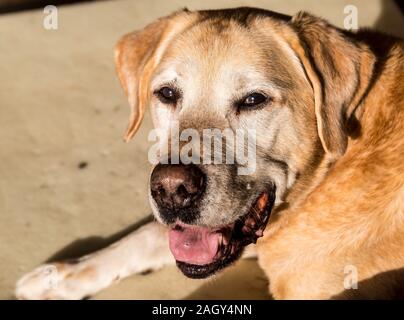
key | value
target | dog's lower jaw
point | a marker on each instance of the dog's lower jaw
(194, 271)
(244, 231)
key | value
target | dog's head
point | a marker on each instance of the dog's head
(294, 81)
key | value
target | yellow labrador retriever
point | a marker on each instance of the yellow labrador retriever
(328, 184)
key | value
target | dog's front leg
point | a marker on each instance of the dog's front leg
(144, 249)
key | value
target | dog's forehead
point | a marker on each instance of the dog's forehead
(200, 51)
(224, 54)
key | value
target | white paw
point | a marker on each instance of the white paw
(56, 282)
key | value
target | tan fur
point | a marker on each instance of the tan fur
(355, 215)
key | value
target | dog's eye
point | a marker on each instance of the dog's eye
(252, 100)
(167, 95)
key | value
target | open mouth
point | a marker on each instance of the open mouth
(201, 251)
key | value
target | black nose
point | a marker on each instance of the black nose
(176, 187)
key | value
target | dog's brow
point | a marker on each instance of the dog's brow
(164, 76)
(252, 80)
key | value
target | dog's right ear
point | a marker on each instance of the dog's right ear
(136, 56)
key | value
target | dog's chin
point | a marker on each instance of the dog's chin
(200, 252)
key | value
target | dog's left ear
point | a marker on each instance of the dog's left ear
(339, 69)
(136, 56)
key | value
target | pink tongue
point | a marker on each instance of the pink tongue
(194, 245)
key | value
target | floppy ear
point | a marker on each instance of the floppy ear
(339, 69)
(136, 56)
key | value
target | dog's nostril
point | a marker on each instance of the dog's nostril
(157, 189)
(161, 191)
(182, 191)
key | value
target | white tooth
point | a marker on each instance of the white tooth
(248, 186)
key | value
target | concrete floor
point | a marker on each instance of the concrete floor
(61, 105)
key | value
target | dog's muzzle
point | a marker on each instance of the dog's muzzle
(201, 251)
